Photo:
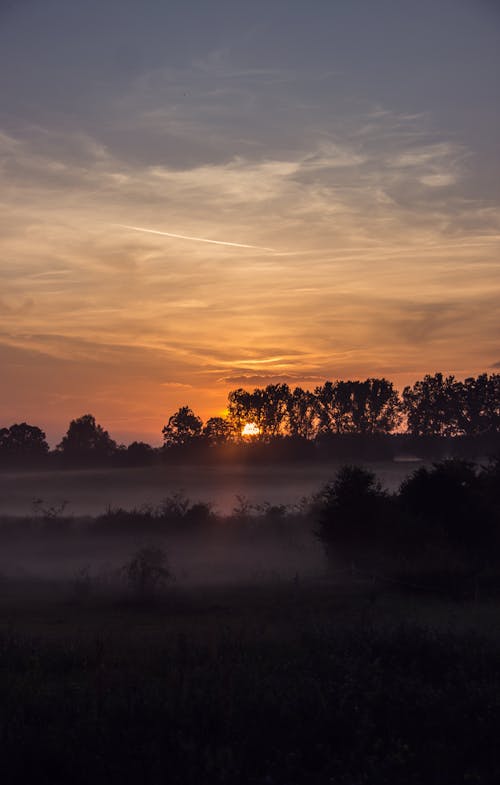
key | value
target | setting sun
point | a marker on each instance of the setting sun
(250, 429)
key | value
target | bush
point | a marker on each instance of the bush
(448, 499)
(352, 508)
(147, 572)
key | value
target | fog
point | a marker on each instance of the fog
(47, 530)
(223, 552)
(91, 492)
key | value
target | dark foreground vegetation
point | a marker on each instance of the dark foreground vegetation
(348, 704)
(129, 654)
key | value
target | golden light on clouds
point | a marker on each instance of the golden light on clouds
(215, 225)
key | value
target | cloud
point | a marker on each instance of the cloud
(16, 306)
(180, 385)
(438, 180)
(377, 270)
(263, 380)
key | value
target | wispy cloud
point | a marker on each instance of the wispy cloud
(383, 261)
(196, 239)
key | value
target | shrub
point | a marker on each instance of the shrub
(351, 508)
(147, 572)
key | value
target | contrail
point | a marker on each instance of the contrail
(196, 239)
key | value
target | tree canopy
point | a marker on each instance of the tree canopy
(86, 440)
(183, 428)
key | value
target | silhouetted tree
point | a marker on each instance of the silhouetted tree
(273, 409)
(479, 410)
(218, 430)
(433, 406)
(333, 407)
(183, 428)
(85, 441)
(302, 411)
(267, 407)
(381, 409)
(138, 454)
(365, 407)
(241, 409)
(22, 443)
(350, 508)
(448, 496)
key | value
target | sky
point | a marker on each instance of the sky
(342, 157)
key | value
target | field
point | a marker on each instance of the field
(317, 682)
(174, 645)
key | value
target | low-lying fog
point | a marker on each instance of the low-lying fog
(221, 553)
(205, 559)
(90, 492)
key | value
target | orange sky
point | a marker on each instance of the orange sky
(383, 225)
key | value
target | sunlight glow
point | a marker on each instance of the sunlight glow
(250, 429)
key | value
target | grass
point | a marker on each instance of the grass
(273, 684)
(171, 645)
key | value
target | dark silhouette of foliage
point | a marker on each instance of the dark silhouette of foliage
(273, 409)
(240, 410)
(371, 406)
(480, 405)
(433, 406)
(217, 431)
(183, 428)
(333, 407)
(86, 442)
(138, 454)
(449, 496)
(302, 412)
(382, 704)
(341, 420)
(267, 408)
(22, 443)
(147, 572)
(351, 508)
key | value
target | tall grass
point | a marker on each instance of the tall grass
(395, 705)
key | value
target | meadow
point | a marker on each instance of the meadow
(173, 644)
(320, 682)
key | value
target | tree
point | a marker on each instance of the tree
(274, 409)
(333, 407)
(365, 407)
(350, 508)
(138, 454)
(302, 412)
(22, 443)
(267, 407)
(433, 406)
(480, 405)
(218, 431)
(86, 441)
(243, 407)
(382, 408)
(449, 497)
(183, 428)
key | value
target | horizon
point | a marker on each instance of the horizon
(154, 438)
(199, 199)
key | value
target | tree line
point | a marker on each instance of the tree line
(434, 407)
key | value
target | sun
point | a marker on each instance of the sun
(250, 429)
